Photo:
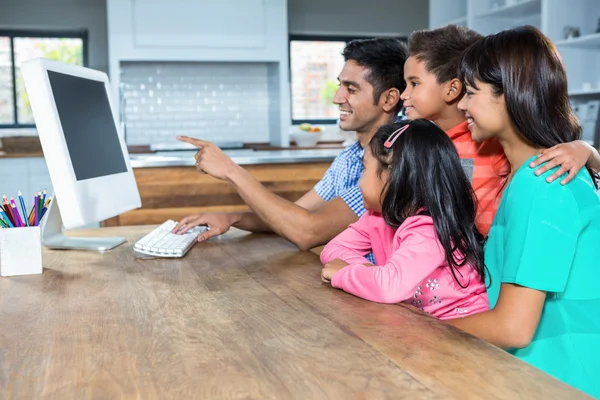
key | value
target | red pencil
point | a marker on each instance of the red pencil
(7, 209)
(16, 214)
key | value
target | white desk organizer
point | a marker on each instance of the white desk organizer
(20, 251)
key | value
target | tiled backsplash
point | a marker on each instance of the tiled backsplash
(224, 102)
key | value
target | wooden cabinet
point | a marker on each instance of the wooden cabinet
(174, 192)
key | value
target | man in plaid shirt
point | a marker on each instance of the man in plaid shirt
(369, 96)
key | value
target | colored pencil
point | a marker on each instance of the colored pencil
(15, 212)
(39, 204)
(23, 208)
(35, 213)
(7, 209)
(33, 208)
(45, 207)
(30, 217)
(6, 219)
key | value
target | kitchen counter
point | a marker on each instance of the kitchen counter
(239, 156)
(171, 188)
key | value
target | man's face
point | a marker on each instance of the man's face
(355, 99)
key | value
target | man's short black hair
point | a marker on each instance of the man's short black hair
(384, 58)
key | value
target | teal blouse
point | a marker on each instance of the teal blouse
(546, 236)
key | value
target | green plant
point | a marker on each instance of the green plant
(66, 50)
(69, 51)
(328, 91)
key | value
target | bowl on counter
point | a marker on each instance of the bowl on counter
(305, 138)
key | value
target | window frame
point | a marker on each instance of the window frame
(34, 33)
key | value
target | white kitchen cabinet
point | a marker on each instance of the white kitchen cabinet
(447, 12)
(197, 30)
(206, 31)
(193, 24)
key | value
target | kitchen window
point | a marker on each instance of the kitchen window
(17, 46)
(315, 63)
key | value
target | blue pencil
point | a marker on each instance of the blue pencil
(46, 207)
(10, 225)
(23, 208)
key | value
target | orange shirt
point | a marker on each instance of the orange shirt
(490, 169)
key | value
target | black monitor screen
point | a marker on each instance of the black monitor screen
(88, 126)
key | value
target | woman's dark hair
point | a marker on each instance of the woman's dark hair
(523, 65)
(426, 178)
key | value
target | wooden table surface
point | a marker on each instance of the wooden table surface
(242, 316)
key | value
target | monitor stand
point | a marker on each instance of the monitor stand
(53, 237)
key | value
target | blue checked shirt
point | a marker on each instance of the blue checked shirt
(341, 179)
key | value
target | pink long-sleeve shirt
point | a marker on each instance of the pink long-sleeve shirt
(411, 268)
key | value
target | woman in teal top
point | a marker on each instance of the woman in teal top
(543, 250)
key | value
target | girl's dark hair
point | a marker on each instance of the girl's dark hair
(523, 65)
(426, 178)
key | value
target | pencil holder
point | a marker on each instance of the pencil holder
(20, 251)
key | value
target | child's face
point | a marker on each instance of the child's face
(423, 96)
(370, 184)
(355, 99)
(485, 112)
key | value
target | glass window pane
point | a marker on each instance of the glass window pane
(60, 49)
(314, 69)
(6, 85)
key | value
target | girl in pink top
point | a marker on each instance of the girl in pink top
(420, 226)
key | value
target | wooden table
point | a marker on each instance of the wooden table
(242, 316)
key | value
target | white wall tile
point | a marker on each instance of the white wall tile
(207, 100)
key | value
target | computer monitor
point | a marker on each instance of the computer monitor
(86, 155)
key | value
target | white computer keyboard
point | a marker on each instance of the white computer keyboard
(161, 242)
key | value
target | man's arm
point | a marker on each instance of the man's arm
(304, 227)
(249, 221)
(220, 223)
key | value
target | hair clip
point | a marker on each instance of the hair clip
(392, 138)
